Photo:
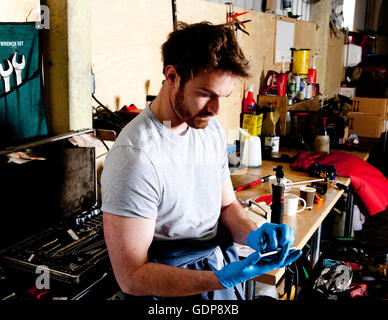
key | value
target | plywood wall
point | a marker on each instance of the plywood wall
(19, 10)
(126, 40)
(335, 60)
(126, 37)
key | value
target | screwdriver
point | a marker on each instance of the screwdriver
(253, 183)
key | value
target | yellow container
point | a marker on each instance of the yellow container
(253, 123)
(300, 61)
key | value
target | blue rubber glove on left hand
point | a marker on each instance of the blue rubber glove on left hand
(270, 237)
(253, 266)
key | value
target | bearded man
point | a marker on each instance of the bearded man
(169, 208)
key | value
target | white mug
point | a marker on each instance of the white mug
(291, 202)
(272, 180)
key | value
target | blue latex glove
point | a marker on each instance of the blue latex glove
(270, 236)
(253, 266)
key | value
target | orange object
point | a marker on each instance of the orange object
(318, 198)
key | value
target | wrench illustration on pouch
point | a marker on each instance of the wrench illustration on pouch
(18, 67)
(6, 74)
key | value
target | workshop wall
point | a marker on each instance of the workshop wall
(125, 51)
(19, 10)
(126, 39)
(335, 62)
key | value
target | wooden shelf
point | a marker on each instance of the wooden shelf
(282, 104)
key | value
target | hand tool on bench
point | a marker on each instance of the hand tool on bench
(306, 181)
(253, 183)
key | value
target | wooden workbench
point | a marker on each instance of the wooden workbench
(304, 223)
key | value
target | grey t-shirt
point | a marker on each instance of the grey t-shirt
(152, 172)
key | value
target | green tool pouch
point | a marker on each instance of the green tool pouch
(22, 111)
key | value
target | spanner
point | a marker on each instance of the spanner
(18, 68)
(6, 74)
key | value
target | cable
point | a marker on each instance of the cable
(109, 111)
(102, 140)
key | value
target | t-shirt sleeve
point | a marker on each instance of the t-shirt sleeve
(129, 184)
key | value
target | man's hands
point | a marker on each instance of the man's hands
(270, 237)
(253, 266)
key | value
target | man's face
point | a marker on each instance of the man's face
(200, 97)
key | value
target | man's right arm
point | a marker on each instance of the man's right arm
(128, 240)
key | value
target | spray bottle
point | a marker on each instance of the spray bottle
(277, 206)
(281, 81)
(249, 102)
(312, 74)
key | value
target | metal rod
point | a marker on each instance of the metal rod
(250, 287)
(306, 181)
(44, 141)
(174, 14)
(349, 213)
(315, 247)
(86, 290)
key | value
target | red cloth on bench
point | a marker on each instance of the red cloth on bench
(370, 186)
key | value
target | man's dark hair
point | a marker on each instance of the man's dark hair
(203, 46)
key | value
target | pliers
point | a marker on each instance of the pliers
(231, 18)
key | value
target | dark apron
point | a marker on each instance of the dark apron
(196, 255)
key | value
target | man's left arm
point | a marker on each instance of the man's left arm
(233, 216)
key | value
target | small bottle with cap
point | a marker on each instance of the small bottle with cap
(322, 140)
(249, 102)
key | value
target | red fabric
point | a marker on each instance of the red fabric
(304, 161)
(370, 186)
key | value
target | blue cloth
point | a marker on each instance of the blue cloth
(196, 255)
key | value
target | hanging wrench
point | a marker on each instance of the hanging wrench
(18, 68)
(6, 74)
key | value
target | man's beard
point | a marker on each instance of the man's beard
(181, 110)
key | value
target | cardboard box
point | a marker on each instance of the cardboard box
(363, 124)
(368, 117)
(371, 105)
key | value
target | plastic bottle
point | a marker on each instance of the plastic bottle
(322, 140)
(269, 124)
(312, 74)
(249, 102)
(281, 82)
(288, 123)
(269, 131)
(252, 150)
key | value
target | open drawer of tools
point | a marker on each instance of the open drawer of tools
(69, 251)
